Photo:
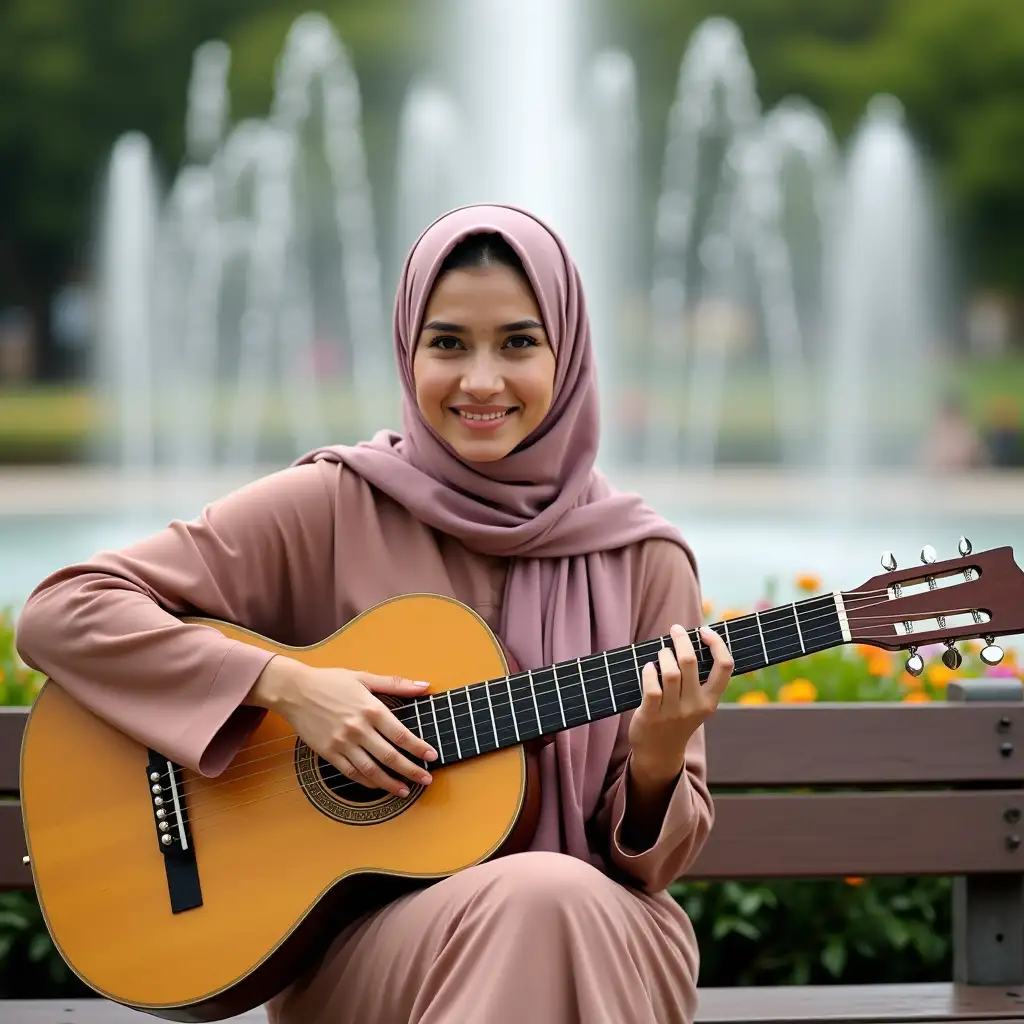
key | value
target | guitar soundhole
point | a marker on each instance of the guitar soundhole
(339, 798)
(345, 788)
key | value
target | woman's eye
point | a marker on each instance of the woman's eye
(521, 341)
(446, 343)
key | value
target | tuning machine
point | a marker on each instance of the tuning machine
(991, 654)
(915, 663)
(928, 554)
(951, 657)
(888, 561)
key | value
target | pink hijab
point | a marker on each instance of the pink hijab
(544, 505)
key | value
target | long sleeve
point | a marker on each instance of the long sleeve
(668, 593)
(109, 632)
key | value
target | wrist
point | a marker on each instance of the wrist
(653, 776)
(276, 684)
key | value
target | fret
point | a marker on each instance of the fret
(524, 708)
(700, 647)
(780, 634)
(490, 708)
(485, 735)
(505, 725)
(465, 727)
(432, 720)
(583, 688)
(746, 645)
(446, 728)
(419, 726)
(819, 622)
(760, 633)
(728, 642)
(800, 636)
(455, 731)
(611, 687)
(558, 693)
(544, 686)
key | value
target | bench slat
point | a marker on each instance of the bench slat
(806, 835)
(843, 744)
(919, 1003)
(793, 745)
(13, 874)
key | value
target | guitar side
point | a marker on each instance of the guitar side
(279, 875)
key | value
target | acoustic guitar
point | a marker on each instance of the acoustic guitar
(198, 898)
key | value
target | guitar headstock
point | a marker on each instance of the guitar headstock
(978, 595)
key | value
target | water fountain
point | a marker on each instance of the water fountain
(249, 335)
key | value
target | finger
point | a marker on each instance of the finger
(397, 685)
(721, 670)
(369, 769)
(651, 702)
(349, 770)
(671, 678)
(686, 656)
(393, 761)
(388, 725)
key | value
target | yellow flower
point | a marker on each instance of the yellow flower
(879, 662)
(916, 697)
(707, 608)
(854, 881)
(808, 582)
(799, 691)
(753, 697)
(731, 613)
(938, 675)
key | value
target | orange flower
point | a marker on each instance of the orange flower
(912, 682)
(938, 675)
(916, 697)
(731, 613)
(753, 697)
(799, 691)
(854, 881)
(808, 582)
(707, 608)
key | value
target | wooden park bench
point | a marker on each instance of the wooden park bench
(860, 790)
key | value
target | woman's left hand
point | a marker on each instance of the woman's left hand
(672, 711)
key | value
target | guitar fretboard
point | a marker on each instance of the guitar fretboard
(476, 719)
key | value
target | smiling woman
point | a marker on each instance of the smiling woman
(484, 368)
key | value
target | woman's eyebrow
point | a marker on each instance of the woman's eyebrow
(443, 325)
(523, 325)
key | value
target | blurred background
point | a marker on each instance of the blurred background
(800, 228)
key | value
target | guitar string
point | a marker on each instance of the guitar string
(824, 614)
(737, 640)
(326, 777)
(520, 692)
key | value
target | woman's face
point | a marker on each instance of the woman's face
(483, 368)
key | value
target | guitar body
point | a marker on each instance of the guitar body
(284, 862)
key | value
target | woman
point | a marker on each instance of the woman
(490, 497)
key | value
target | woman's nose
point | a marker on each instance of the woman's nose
(482, 377)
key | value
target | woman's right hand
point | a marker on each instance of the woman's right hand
(335, 711)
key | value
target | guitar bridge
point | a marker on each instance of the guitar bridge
(170, 816)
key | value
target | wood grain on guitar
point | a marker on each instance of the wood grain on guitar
(198, 898)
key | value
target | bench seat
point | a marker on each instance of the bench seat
(871, 1004)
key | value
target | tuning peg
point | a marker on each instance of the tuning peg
(965, 547)
(928, 554)
(915, 663)
(888, 561)
(990, 653)
(951, 657)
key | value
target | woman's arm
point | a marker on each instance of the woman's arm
(109, 631)
(656, 828)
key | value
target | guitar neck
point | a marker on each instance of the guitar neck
(471, 720)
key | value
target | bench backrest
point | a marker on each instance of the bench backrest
(908, 789)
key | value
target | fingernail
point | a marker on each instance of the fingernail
(403, 792)
(420, 684)
(431, 755)
(425, 779)
(675, 628)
